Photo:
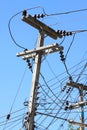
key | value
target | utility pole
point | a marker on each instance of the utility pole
(35, 81)
(81, 103)
(37, 55)
(81, 108)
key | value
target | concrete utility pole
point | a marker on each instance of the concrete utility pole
(37, 55)
(81, 103)
(35, 81)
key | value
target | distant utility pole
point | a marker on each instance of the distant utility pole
(37, 55)
(81, 102)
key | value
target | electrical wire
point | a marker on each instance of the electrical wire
(81, 72)
(82, 61)
(79, 31)
(52, 70)
(57, 112)
(48, 109)
(53, 108)
(46, 83)
(10, 122)
(48, 86)
(14, 100)
(70, 46)
(18, 89)
(62, 40)
(9, 26)
(68, 12)
(13, 112)
(52, 116)
(12, 127)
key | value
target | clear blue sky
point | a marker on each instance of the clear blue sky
(12, 68)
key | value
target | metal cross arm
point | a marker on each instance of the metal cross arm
(43, 50)
(41, 26)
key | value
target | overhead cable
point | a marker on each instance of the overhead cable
(70, 46)
(9, 25)
(68, 12)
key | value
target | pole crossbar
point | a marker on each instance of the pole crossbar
(43, 50)
(76, 85)
(41, 26)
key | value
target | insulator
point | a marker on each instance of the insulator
(25, 50)
(64, 33)
(34, 126)
(66, 108)
(61, 52)
(69, 33)
(30, 67)
(68, 90)
(42, 15)
(59, 31)
(35, 16)
(38, 16)
(35, 108)
(29, 64)
(8, 117)
(63, 88)
(61, 55)
(70, 78)
(62, 58)
(27, 60)
(67, 103)
(24, 13)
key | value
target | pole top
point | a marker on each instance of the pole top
(39, 25)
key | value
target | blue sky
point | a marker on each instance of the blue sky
(12, 68)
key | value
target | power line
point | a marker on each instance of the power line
(9, 25)
(70, 46)
(13, 112)
(8, 116)
(52, 116)
(51, 92)
(18, 89)
(68, 12)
